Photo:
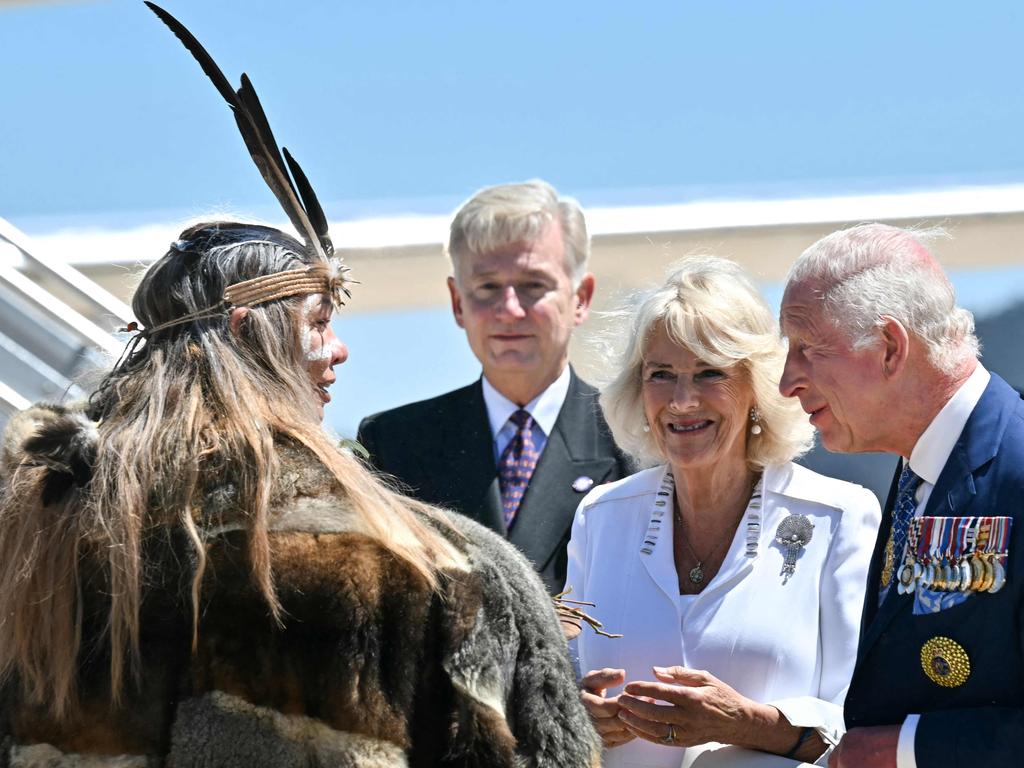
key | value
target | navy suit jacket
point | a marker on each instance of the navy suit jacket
(442, 451)
(979, 723)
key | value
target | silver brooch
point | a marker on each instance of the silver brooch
(793, 534)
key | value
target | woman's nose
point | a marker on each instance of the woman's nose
(340, 352)
(684, 395)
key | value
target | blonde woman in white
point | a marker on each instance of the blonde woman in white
(735, 575)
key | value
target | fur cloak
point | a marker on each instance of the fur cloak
(371, 668)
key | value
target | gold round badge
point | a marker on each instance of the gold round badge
(945, 662)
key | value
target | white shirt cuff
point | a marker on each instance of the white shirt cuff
(905, 757)
(808, 712)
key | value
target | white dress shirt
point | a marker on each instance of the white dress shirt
(544, 409)
(931, 452)
(791, 645)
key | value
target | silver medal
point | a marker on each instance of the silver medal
(946, 577)
(999, 578)
(929, 575)
(906, 585)
(965, 575)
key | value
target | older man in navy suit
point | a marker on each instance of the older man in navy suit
(883, 360)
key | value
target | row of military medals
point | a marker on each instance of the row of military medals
(955, 554)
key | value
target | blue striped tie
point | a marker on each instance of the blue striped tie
(903, 513)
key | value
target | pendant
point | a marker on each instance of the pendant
(793, 534)
(697, 574)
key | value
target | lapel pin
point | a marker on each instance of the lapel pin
(582, 484)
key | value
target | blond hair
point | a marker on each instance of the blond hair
(709, 306)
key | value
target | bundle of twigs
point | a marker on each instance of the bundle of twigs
(572, 618)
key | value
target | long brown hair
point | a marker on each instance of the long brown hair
(190, 397)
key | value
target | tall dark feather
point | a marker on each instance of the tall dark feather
(316, 213)
(301, 207)
(268, 159)
(253, 108)
(198, 52)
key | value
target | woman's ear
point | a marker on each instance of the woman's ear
(236, 317)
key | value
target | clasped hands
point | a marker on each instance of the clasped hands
(682, 708)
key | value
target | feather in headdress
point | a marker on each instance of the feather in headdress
(282, 174)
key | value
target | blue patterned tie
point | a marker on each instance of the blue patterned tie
(902, 514)
(516, 466)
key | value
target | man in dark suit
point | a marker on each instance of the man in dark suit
(517, 449)
(883, 360)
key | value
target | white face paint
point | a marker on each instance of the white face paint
(321, 355)
(314, 352)
(321, 348)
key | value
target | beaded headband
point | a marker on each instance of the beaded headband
(327, 277)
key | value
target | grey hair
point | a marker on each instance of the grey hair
(875, 270)
(498, 216)
(709, 306)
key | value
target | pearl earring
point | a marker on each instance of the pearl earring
(646, 427)
(755, 416)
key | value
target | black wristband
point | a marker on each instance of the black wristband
(805, 735)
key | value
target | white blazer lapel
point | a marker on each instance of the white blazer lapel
(656, 547)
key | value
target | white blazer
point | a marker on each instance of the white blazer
(791, 645)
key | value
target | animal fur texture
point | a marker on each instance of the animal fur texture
(370, 668)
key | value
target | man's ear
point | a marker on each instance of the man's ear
(238, 314)
(896, 346)
(584, 295)
(453, 290)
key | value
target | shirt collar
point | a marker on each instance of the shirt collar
(544, 408)
(934, 446)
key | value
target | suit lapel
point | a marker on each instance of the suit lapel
(465, 459)
(955, 488)
(547, 509)
(877, 558)
(952, 495)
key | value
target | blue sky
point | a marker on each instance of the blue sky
(407, 107)
(412, 105)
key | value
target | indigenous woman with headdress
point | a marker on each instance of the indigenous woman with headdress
(192, 573)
